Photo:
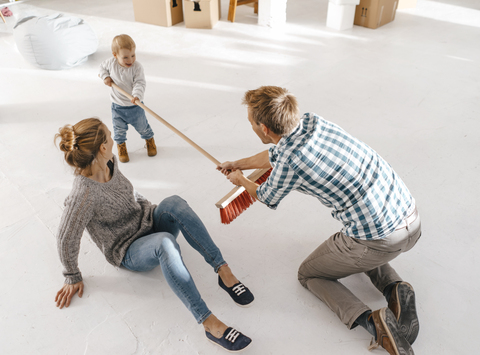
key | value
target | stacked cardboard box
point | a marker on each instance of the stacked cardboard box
(375, 13)
(201, 14)
(158, 12)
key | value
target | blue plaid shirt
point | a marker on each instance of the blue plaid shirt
(320, 159)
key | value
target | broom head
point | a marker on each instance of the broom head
(238, 200)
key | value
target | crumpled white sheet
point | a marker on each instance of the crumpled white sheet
(56, 41)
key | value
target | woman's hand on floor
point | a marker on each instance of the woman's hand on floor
(64, 296)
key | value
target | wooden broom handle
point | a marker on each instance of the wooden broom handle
(188, 140)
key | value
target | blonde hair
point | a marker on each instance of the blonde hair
(122, 42)
(81, 143)
(275, 107)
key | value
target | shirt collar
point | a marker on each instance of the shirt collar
(285, 139)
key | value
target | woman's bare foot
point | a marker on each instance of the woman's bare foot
(226, 275)
(214, 326)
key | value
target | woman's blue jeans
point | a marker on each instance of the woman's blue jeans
(161, 248)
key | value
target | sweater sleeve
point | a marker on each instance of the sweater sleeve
(139, 82)
(139, 197)
(104, 70)
(76, 216)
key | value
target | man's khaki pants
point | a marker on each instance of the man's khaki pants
(341, 256)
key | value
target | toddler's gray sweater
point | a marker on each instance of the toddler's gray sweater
(113, 213)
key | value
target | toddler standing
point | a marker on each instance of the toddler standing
(127, 73)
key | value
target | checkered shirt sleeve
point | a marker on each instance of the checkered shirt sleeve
(281, 181)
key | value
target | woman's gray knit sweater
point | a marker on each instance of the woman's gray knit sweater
(112, 212)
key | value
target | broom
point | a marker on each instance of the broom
(237, 200)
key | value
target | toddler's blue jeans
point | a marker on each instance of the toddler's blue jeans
(122, 116)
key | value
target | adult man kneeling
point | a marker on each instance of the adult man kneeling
(380, 220)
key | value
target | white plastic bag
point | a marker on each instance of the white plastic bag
(55, 42)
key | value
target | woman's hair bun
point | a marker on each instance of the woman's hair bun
(81, 143)
(68, 140)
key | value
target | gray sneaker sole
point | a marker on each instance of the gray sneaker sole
(407, 318)
(401, 345)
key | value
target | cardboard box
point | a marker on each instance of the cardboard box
(158, 12)
(201, 14)
(375, 13)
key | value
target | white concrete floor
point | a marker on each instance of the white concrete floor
(409, 89)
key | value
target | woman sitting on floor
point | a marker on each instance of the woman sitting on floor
(133, 233)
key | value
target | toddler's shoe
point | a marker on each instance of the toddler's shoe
(122, 153)
(232, 340)
(240, 293)
(151, 147)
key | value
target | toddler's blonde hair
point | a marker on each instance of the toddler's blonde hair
(122, 42)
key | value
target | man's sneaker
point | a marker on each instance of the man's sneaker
(122, 153)
(232, 340)
(240, 293)
(388, 334)
(151, 147)
(402, 304)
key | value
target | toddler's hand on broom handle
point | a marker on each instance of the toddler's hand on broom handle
(134, 100)
(108, 81)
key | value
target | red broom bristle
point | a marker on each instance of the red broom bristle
(223, 216)
(240, 203)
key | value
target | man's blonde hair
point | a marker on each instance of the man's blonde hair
(122, 42)
(275, 107)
